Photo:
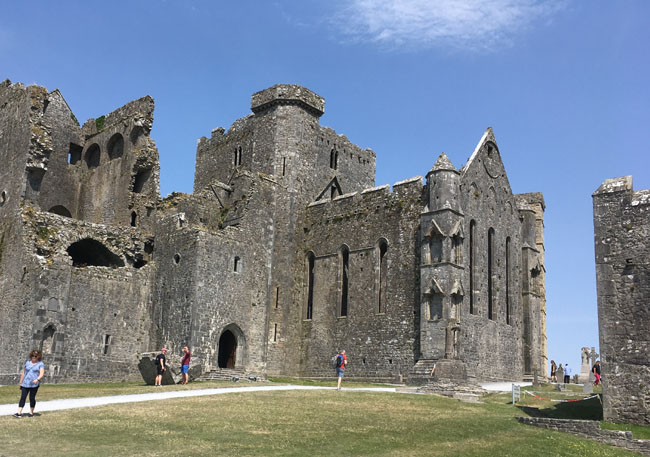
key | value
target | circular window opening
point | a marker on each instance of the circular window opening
(177, 259)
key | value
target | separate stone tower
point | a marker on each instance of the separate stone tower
(622, 242)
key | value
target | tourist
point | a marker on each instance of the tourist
(553, 371)
(341, 362)
(185, 365)
(30, 380)
(161, 366)
(596, 371)
(567, 374)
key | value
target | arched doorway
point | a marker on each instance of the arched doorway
(227, 350)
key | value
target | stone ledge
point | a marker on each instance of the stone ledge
(591, 430)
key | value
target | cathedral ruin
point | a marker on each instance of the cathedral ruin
(284, 253)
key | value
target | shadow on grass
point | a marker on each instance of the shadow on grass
(591, 409)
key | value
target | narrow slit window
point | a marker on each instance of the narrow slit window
(310, 284)
(275, 333)
(277, 297)
(107, 344)
(345, 267)
(382, 274)
(237, 265)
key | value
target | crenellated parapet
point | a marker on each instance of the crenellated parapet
(288, 94)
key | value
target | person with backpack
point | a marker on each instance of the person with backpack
(341, 362)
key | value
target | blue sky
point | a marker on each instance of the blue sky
(565, 86)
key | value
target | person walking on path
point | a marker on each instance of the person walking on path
(553, 371)
(341, 362)
(161, 366)
(567, 374)
(185, 365)
(30, 380)
(596, 371)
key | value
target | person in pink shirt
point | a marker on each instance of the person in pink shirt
(185, 365)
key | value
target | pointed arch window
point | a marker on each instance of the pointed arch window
(382, 274)
(490, 271)
(344, 265)
(435, 238)
(472, 260)
(507, 280)
(435, 306)
(457, 246)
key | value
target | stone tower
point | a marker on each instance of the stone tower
(621, 238)
(441, 270)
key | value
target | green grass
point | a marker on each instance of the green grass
(640, 432)
(591, 409)
(290, 423)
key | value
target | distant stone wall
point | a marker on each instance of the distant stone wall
(622, 243)
(592, 431)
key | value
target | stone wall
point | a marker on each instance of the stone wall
(380, 340)
(621, 234)
(592, 431)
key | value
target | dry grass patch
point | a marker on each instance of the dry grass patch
(293, 423)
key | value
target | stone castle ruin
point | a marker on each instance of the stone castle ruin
(622, 234)
(284, 252)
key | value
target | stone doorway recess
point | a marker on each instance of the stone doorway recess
(227, 350)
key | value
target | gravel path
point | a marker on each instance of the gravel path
(72, 403)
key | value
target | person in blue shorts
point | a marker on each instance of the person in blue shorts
(30, 380)
(185, 365)
(341, 362)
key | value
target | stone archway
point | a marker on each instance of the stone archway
(227, 350)
(231, 350)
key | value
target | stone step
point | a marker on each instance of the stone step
(226, 374)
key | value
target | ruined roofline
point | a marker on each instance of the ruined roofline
(611, 185)
(377, 190)
(288, 94)
(531, 198)
(488, 135)
(141, 109)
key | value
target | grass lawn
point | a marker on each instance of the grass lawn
(292, 423)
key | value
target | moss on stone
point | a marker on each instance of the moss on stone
(99, 123)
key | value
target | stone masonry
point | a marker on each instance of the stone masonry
(622, 241)
(284, 253)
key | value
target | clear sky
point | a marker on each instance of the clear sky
(565, 86)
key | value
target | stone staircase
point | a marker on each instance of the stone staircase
(421, 372)
(229, 374)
